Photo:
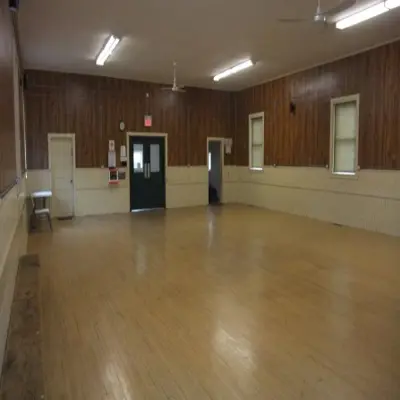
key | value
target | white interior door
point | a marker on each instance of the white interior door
(62, 175)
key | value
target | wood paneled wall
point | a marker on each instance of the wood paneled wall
(303, 139)
(91, 107)
(8, 169)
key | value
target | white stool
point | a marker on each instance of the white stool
(40, 213)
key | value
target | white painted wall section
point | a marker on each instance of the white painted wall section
(369, 201)
(187, 186)
(13, 245)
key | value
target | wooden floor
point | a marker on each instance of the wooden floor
(224, 304)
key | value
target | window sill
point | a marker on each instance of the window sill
(256, 169)
(344, 175)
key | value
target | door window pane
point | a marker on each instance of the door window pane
(137, 158)
(154, 158)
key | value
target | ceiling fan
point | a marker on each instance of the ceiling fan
(174, 87)
(321, 15)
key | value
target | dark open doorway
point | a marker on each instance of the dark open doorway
(214, 171)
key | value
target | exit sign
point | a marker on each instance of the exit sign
(148, 121)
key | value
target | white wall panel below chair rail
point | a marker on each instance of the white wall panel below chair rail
(371, 200)
(11, 208)
(113, 200)
(187, 175)
(13, 245)
(185, 187)
(188, 186)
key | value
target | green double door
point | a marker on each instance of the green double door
(147, 172)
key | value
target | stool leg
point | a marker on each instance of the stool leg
(32, 218)
(31, 222)
(49, 219)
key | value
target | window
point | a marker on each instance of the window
(209, 160)
(154, 158)
(344, 135)
(137, 157)
(256, 141)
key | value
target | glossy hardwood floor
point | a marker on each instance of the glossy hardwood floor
(223, 304)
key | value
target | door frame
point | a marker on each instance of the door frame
(222, 141)
(70, 136)
(128, 169)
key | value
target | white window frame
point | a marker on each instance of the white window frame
(334, 102)
(251, 117)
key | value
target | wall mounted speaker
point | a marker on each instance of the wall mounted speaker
(292, 108)
(13, 4)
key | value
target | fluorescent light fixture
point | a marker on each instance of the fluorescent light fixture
(364, 15)
(233, 70)
(392, 4)
(107, 50)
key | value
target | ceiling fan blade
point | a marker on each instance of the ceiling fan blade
(169, 88)
(342, 6)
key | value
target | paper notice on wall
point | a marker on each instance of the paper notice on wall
(122, 154)
(112, 162)
(228, 146)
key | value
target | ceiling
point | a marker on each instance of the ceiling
(203, 36)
